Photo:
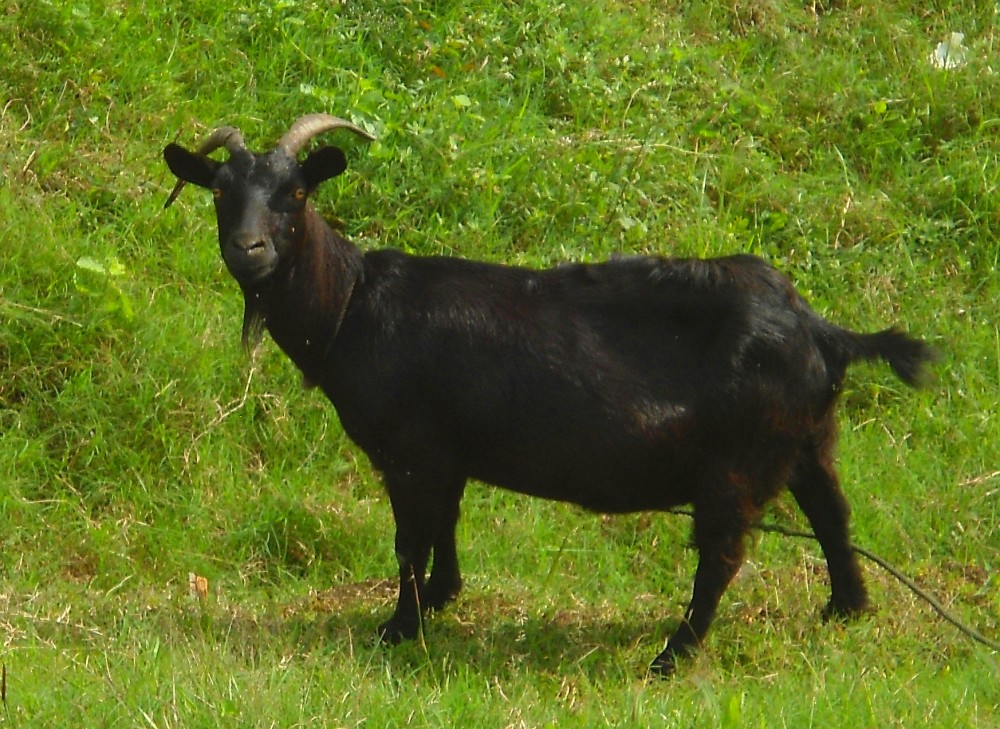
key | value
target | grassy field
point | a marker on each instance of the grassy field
(138, 443)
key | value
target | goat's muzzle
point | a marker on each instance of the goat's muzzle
(249, 258)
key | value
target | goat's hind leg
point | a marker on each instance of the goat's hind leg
(719, 529)
(816, 488)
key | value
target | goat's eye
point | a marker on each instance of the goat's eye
(299, 193)
(217, 193)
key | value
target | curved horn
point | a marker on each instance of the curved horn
(228, 137)
(307, 127)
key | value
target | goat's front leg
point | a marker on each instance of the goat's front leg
(415, 519)
(445, 581)
(426, 510)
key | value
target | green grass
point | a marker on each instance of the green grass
(138, 444)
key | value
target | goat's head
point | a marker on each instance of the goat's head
(260, 199)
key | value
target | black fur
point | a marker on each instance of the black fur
(636, 384)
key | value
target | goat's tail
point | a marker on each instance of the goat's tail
(906, 355)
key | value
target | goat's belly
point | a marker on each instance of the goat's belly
(600, 485)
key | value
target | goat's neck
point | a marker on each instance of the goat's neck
(306, 305)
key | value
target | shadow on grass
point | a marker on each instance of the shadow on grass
(487, 633)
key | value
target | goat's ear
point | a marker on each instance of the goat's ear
(322, 164)
(190, 167)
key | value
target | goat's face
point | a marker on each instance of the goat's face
(260, 203)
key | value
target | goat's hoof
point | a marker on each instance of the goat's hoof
(843, 612)
(664, 665)
(394, 631)
(438, 594)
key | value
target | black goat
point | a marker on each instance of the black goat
(637, 384)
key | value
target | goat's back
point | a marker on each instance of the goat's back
(571, 381)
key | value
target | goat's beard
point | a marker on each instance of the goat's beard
(253, 320)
